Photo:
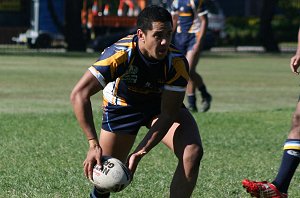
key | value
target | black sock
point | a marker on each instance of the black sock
(289, 164)
(96, 194)
(192, 100)
(203, 91)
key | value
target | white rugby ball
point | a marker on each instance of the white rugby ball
(113, 177)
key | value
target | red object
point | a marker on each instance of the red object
(95, 8)
(114, 21)
(262, 189)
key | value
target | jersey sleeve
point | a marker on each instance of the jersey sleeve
(174, 7)
(178, 75)
(110, 65)
(201, 8)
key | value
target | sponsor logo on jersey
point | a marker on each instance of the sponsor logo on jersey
(131, 74)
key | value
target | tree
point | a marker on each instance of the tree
(266, 32)
(73, 30)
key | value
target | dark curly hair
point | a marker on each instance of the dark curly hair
(151, 14)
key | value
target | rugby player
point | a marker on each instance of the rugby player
(143, 79)
(278, 188)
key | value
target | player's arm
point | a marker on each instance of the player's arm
(203, 29)
(175, 20)
(295, 60)
(170, 107)
(87, 86)
(174, 13)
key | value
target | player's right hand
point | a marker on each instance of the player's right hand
(93, 157)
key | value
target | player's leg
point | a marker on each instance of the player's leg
(115, 145)
(289, 164)
(196, 81)
(184, 139)
(295, 125)
(191, 56)
(183, 42)
(120, 125)
(291, 154)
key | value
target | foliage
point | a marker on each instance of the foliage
(285, 28)
(245, 30)
(242, 30)
(289, 8)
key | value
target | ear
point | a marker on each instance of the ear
(141, 35)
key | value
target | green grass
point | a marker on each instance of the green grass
(42, 147)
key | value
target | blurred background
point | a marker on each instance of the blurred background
(92, 25)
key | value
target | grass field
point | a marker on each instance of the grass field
(42, 147)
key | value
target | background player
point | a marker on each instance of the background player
(190, 16)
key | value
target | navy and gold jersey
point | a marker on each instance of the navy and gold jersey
(188, 12)
(129, 79)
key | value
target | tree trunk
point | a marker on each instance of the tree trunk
(266, 32)
(73, 30)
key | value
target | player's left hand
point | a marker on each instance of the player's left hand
(133, 161)
(295, 63)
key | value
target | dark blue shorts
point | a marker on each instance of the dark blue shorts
(185, 41)
(128, 119)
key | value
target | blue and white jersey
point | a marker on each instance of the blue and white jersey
(129, 79)
(188, 12)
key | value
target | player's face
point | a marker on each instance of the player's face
(154, 43)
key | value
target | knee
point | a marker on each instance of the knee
(294, 132)
(296, 120)
(295, 129)
(193, 155)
